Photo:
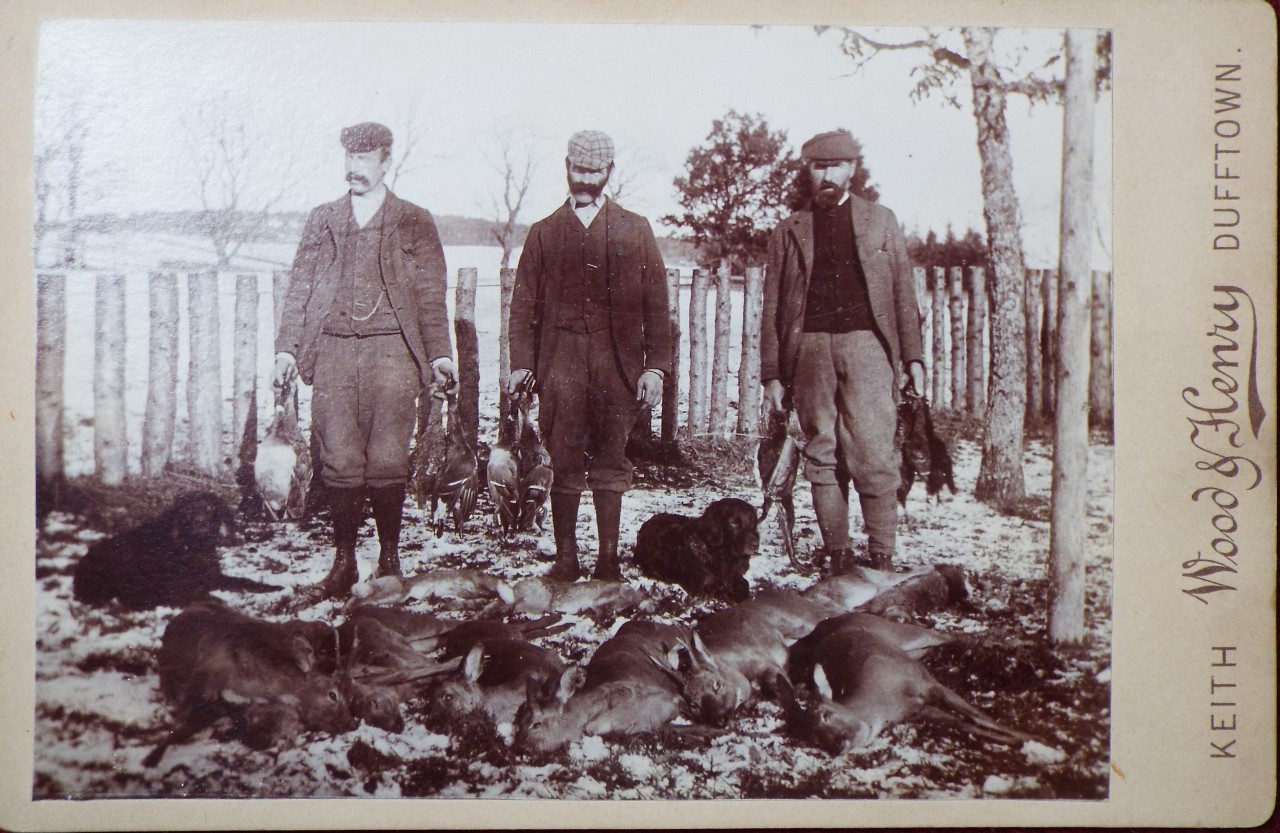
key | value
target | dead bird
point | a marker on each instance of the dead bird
(536, 475)
(459, 479)
(923, 452)
(503, 470)
(778, 460)
(427, 458)
(282, 467)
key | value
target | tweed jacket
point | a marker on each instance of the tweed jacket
(413, 272)
(890, 287)
(638, 318)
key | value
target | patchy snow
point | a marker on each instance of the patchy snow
(99, 709)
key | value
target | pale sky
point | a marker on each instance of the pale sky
(654, 88)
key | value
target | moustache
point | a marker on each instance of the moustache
(353, 178)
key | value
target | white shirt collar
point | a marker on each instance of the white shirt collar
(587, 213)
(364, 206)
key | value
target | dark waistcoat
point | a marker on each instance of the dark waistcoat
(361, 306)
(584, 293)
(838, 300)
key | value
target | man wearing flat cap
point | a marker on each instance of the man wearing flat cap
(840, 325)
(364, 321)
(589, 328)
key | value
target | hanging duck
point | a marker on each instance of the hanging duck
(282, 467)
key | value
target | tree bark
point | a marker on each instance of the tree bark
(1100, 384)
(671, 384)
(940, 353)
(959, 402)
(720, 358)
(464, 328)
(1000, 478)
(162, 375)
(1069, 528)
(1035, 379)
(244, 360)
(977, 394)
(110, 437)
(51, 357)
(204, 373)
(925, 300)
(749, 392)
(1049, 342)
(507, 286)
(698, 352)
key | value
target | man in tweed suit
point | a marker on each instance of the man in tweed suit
(840, 324)
(589, 326)
(364, 321)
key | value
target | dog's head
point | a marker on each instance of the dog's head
(202, 519)
(729, 526)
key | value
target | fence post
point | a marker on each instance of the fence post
(110, 438)
(671, 383)
(204, 372)
(749, 366)
(940, 352)
(977, 330)
(1049, 340)
(925, 302)
(698, 352)
(464, 328)
(244, 373)
(1100, 391)
(1035, 362)
(51, 358)
(162, 374)
(279, 289)
(959, 403)
(720, 358)
(507, 287)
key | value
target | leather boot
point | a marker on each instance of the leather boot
(387, 503)
(564, 521)
(880, 517)
(346, 511)
(832, 511)
(608, 514)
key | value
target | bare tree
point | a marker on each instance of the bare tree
(632, 169)
(62, 138)
(992, 81)
(238, 187)
(406, 155)
(515, 163)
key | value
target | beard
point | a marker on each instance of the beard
(827, 196)
(577, 188)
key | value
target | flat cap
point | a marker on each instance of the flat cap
(362, 138)
(590, 149)
(833, 145)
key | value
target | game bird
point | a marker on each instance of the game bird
(427, 458)
(282, 468)
(778, 459)
(535, 471)
(459, 479)
(504, 473)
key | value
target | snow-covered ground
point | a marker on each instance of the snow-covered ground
(99, 709)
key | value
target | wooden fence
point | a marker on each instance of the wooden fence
(698, 399)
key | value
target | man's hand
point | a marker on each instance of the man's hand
(286, 370)
(445, 373)
(649, 389)
(774, 394)
(523, 377)
(915, 370)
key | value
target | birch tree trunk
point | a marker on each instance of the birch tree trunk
(162, 375)
(977, 394)
(464, 328)
(1100, 384)
(507, 286)
(51, 358)
(110, 439)
(749, 392)
(720, 358)
(204, 373)
(1035, 378)
(671, 384)
(1049, 342)
(925, 300)
(244, 361)
(698, 353)
(959, 403)
(939, 338)
(1069, 528)
(1000, 479)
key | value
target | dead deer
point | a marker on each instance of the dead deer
(868, 681)
(736, 652)
(498, 676)
(269, 678)
(842, 593)
(538, 595)
(629, 687)
(445, 585)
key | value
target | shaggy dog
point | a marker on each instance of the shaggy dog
(707, 556)
(170, 560)
(923, 451)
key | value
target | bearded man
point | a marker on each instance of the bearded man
(840, 324)
(590, 329)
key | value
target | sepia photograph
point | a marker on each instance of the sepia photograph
(332, 342)
(561, 418)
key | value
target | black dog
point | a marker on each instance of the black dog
(707, 556)
(170, 560)
(923, 452)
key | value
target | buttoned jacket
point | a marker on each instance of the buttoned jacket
(882, 250)
(413, 272)
(639, 321)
